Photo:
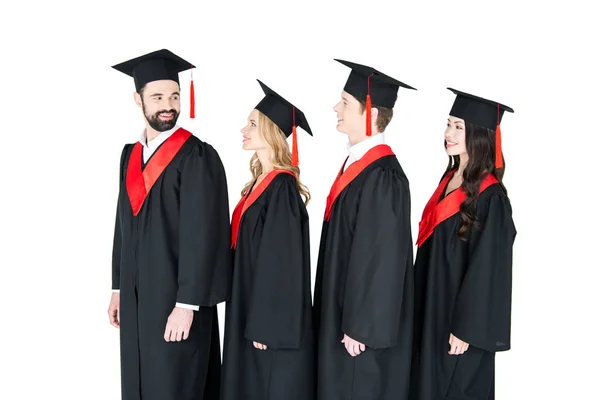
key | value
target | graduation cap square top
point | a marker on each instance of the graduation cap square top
(158, 65)
(477, 110)
(155, 66)
(363, 80)
(482, 112)
(283, 114)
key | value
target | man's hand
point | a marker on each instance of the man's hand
(114, 316)
(353, 347)
(260, 346)
(179, 324)
(457, 346)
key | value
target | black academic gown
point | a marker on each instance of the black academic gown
(175, 250)
(271, 300)
(463, 288)
(364, 287)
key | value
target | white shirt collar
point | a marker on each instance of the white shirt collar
(357, 151)
(157, 141)
(149, 148)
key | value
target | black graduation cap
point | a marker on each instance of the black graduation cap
(283, 114)
(482, 112)
(477, 110)
(158, 65)
(373, 87)
(383, 90)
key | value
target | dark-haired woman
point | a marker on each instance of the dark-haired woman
(463, 269)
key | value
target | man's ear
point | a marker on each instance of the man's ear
(374, 114)
(138, 99)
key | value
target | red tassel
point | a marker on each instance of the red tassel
(499, 163)
(369, 105)
(192, 101)
(295, 161)
(368, 115)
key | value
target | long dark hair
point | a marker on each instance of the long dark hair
(481, 149)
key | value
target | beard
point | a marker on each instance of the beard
(156, 123)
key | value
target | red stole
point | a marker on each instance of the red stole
(437, 211)
(344, 179)
(248, 199)
(139, 183)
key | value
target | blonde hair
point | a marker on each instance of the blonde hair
(281, 157)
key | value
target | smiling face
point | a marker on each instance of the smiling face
(160, 104)
(456, 143)
(251, 136)
(351, 120)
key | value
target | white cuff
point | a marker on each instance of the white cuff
(187, 306)
(116, 290)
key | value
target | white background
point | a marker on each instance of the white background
(66, 115)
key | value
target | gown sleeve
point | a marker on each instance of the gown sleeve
(117, 239)
(380, 256)
(482, 311)
(204, 270)
(275, 316)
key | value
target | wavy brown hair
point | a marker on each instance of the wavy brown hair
(281, 156)
(481, 149)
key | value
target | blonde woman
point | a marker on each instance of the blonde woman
(268, 351)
